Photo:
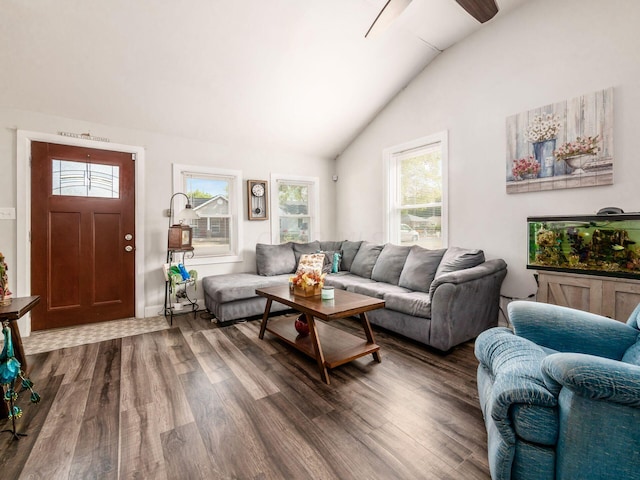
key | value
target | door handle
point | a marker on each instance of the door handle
(128, 237)
(128, 248)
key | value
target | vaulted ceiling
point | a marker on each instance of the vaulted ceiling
(294, 75)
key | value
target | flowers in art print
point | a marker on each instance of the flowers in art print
(542, 128)
(525, 166)
(580, 146)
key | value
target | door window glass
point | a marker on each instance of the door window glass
(82, 179)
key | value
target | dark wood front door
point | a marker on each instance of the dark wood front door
(82, 235)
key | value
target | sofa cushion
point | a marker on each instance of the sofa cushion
(238, 286)
(377, 289)
(275, 259)
(417, 304)
(420, 268)
(345, 280)
(300, 249)
(331, 245)
(365, 259)
(456, 258)
(349, 251)
(390, 263)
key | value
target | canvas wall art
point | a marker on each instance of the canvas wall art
(567, 144)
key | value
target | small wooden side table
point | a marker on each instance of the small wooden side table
(18, 307)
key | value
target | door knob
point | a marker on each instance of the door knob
(128, 248)
(128, 237)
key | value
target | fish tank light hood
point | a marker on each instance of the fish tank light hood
(607, 244)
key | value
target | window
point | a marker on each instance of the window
(216, 196)
(416, 184)
(81, 179)
(296, 214)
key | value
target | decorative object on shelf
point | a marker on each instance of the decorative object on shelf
(257, 200)
(525, 168)
(555, 135)
(10, 371)
(180, 234)
(301, 325)
(5, 293)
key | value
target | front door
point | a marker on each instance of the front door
(82, 235)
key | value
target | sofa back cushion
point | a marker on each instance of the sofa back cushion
(420, 268)
(365, 259)
(275, 259)
(331, 245)
(300, 249)
(349, 251)
(456, 258)
(389, 263)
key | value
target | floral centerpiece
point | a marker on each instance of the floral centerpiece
(307, 282)
(542, 128)
(525, 167)
(581, 146)
(5, 293)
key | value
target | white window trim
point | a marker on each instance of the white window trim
(389, 221)
(236, 211)
(314, 204)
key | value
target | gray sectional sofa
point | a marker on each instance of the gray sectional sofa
(440, 298)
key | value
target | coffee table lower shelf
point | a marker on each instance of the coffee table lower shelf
(338, 347)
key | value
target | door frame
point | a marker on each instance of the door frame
(23, 203)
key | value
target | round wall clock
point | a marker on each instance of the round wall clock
(258, 190)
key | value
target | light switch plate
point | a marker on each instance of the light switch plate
(7, 213)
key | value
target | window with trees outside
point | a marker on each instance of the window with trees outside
(216, 196)
(416, 180)
(295, 216)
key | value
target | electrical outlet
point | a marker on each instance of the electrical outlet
(7, 213)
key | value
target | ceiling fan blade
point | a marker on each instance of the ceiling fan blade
(481, 10)
(391, 10)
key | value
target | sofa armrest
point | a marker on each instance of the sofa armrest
(568, 330)
(514, 365)
(465, 303)
(469, 274)
(593, 377)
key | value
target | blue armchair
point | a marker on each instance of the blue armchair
(560, 394)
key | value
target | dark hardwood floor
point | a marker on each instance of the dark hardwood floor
(202, 401)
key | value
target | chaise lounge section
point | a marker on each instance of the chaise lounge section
(440, 298)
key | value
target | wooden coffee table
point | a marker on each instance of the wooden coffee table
(337, 347)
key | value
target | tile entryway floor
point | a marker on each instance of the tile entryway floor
(48, 340)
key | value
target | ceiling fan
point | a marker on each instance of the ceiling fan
(481, 10)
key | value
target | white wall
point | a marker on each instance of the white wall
(161, 151)
(544, 52)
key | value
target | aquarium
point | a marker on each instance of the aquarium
(606, 245)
